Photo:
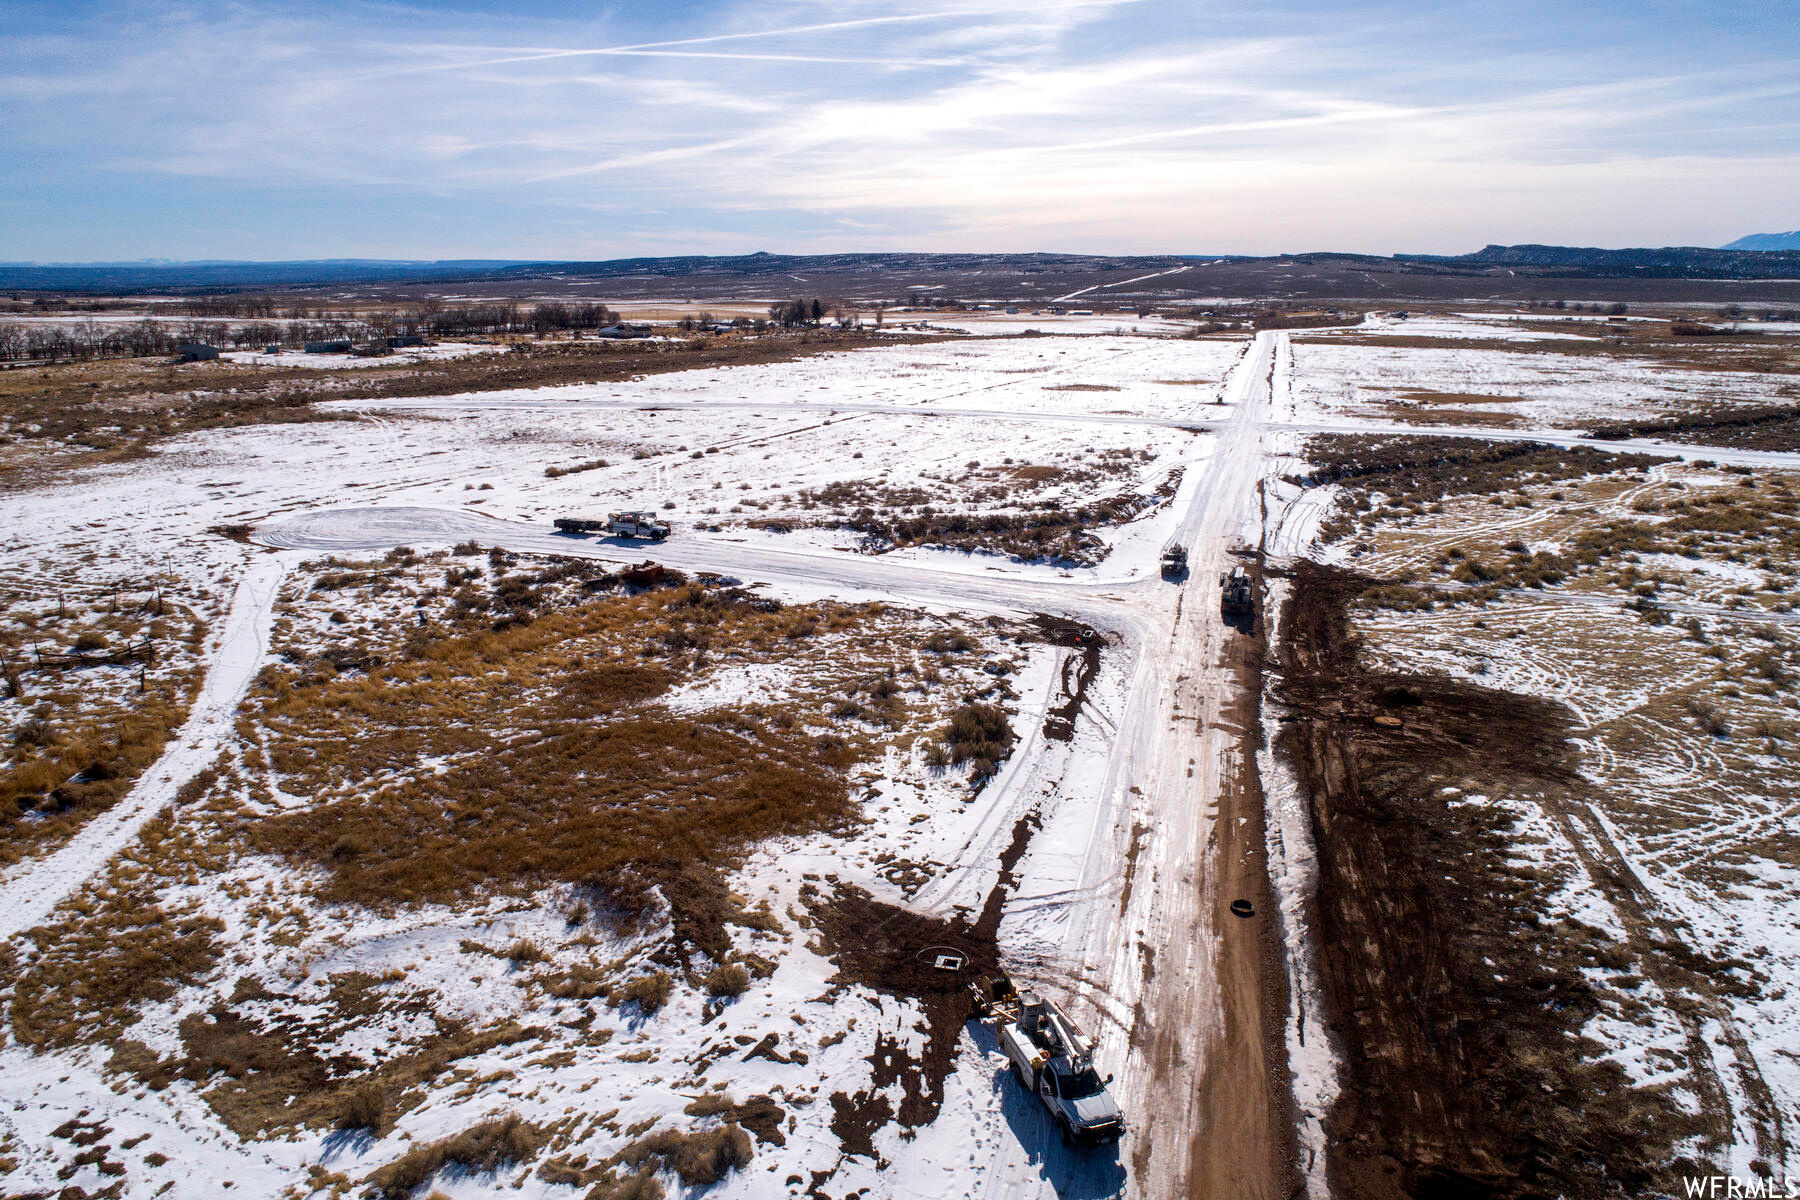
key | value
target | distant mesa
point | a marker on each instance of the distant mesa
(1768, 241)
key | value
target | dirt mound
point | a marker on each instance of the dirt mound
(1457, 1004)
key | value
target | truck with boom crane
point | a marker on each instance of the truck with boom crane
(1050, 1058)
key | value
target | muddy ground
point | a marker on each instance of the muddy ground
(1457, 993)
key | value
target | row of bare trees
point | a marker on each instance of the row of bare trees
(87, 339)
(91, 339)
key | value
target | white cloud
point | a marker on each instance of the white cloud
(1115, 124)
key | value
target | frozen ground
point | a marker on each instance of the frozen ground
(477, 468)
(1351, 373)
(1143, 829)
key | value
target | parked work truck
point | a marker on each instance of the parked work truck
(619, 524)
(1050, 1058)
(1234, 593)
(1174, 561)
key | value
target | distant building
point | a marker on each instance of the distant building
(622, 330)
(405, 340)
(334, 347)
(196, 352)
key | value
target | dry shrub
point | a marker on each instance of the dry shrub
(365, 1107)
(979, 731)
(484, 1147)
(650, 992)
(700, 1157)
(760, 1115)
(728, 980)
(524, 950)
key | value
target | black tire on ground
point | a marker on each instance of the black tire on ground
(1068, 1137)
(1019, 1075)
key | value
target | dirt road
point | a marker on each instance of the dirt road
(1200, 1079)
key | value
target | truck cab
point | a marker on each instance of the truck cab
(1083, 1109)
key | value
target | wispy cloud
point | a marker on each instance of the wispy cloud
(1101, 124)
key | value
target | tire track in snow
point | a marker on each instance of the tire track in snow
(28, 900)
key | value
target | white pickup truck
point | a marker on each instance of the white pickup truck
(636, 525)
(619, 524)
(1048, 1056)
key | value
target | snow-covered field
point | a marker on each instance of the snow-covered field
(1342, 374)
(1114, 797)
(709, 448)
(436, 352)
(1684, 724)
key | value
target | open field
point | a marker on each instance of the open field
(484, 859)
(1574, 671)
(1542, 375)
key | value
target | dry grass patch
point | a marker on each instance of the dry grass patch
(505, 760)
(82, 731)
(90, 973)
(484, 1147)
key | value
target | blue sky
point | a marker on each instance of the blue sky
(200, 130)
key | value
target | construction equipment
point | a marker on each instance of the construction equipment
(1234, 593)
(1174, 561)
(1049, 1057)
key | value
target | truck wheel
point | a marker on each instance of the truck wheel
(1019, 1075)
(1068, 1136)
